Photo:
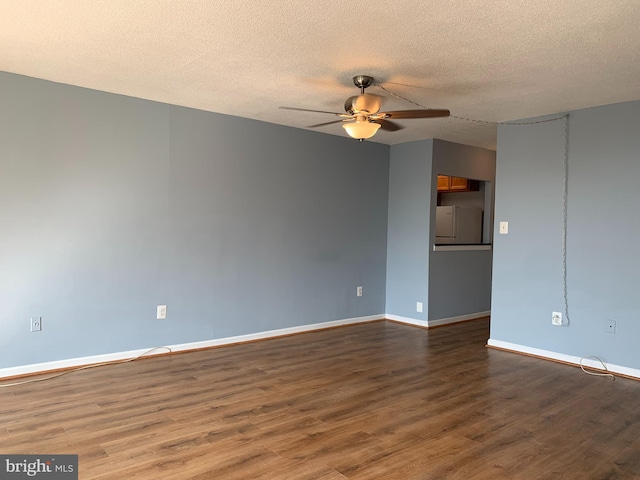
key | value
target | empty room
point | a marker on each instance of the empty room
(319, 240)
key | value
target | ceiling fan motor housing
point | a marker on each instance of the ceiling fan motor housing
(365, 103)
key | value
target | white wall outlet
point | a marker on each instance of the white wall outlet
(504, 228)
(36, 324)
(161, 312)
(358, 291)
(556, 319)
(419, 307)
(611, 326)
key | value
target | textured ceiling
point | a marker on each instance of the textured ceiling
(483, 59)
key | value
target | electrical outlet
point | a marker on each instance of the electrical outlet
(161, 312)
(36, 324)
(611, 326)
(556, 319)
(358, 291)
(419, 307)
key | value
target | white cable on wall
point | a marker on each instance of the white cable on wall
(565, 201)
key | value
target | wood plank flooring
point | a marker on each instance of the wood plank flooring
(370, 401)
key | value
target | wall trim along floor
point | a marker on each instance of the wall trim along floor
(438, 322)
(562, 358)
(72, 363)
(407, 320)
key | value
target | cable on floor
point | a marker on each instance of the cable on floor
(86, 367)
(597, 374)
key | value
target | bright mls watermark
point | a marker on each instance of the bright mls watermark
(51, 467)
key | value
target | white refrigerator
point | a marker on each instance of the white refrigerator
(458, 225)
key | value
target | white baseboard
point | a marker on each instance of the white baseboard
(460, 318)
(437, 322)
(561, 357)
(274, 333)
(148, 352)
(407, 320)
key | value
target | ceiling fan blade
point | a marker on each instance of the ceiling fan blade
(308, 110)
(325, 123)
(387, 125)
(427, 113)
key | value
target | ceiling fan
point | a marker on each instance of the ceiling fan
(363, 117)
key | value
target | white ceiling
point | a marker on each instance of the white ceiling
(491, 60)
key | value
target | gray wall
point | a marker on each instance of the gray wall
(408, 232)
(111, 205)
(603, 233)
(449, 284)
(460, 281)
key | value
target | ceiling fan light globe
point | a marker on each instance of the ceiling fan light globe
(361, 130)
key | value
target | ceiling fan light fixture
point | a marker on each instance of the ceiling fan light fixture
(361, 129)
(363, 117)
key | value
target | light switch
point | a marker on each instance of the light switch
(504, 228)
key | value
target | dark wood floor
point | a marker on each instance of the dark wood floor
(371, 401)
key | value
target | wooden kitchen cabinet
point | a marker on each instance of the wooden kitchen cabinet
(443, 183)
(457, 184)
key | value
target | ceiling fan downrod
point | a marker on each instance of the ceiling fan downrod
(362, 82)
